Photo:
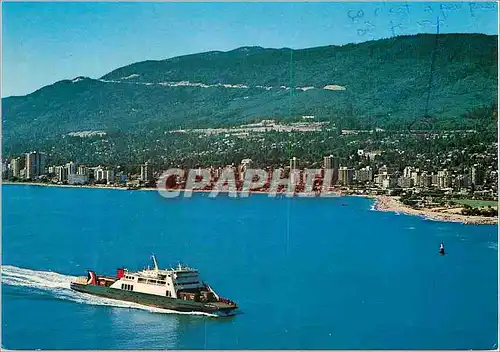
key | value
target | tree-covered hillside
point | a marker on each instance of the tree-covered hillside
(383, 83)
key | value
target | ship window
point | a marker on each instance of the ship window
(161, 282)
(127, 287)
(188, 283)
(141, 280)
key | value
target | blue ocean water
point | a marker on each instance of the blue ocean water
(307, 273)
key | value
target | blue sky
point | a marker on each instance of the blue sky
(47, 42)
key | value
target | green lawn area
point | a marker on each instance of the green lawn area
(477, 203)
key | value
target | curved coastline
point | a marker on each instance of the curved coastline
(392, 204)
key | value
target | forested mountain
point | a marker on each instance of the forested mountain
(383, 83)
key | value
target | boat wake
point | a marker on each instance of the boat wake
(58, 286)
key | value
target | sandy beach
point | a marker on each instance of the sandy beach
(387, 203)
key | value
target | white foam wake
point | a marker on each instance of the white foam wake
(58, 286)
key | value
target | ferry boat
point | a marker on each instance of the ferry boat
(179, 289)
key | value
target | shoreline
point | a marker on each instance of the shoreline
(381, 203)
(391, 204)
(301, 195)
(76, 186)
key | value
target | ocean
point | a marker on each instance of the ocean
(307, 273)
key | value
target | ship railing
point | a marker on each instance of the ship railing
(227, 301)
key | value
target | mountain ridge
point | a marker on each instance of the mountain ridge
(381, 82)
(239, 49)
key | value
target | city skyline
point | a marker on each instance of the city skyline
(88, 39)
(385, 176)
